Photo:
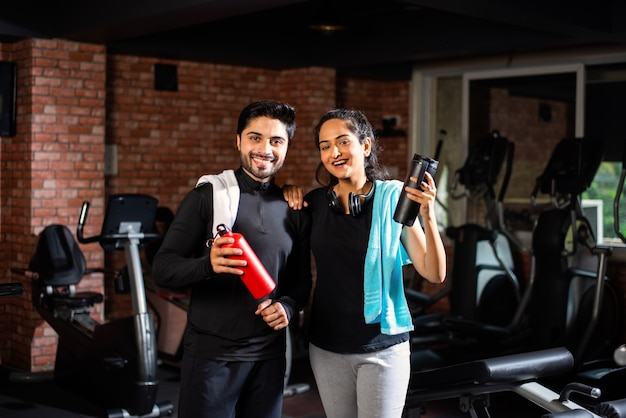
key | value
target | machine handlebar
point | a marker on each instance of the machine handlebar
(82, 218)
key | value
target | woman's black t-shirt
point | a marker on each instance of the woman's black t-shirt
(339, 244)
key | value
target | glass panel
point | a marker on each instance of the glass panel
(534, 112)
(605, 101)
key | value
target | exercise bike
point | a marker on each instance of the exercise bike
(113, 363)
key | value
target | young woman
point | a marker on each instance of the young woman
(360, 323)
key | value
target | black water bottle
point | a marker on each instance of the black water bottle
(407, 210)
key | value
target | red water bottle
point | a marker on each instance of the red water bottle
(255, 276)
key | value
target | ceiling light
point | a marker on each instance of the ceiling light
(326, 28)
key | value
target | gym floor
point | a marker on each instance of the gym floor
(34, 399)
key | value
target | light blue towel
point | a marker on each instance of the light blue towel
(385, 302)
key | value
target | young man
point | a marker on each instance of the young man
(234, 347)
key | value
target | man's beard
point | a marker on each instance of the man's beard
(263, 174)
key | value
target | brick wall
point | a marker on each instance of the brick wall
(378, 99)
(52, 164)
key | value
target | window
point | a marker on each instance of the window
(597, 203)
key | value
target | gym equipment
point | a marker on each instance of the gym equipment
(114, 363)
(483, 264)
(610, 372)
(474, 382)
(482, 285)
(573, 302)
(169, 307)
(8, 290)
(619, 356)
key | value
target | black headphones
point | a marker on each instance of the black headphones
(356, 202)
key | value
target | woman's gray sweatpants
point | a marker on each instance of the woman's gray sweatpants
(363, 385)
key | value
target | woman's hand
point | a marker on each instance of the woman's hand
(425, 197)
(294, 195)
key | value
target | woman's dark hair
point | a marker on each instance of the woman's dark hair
(359, 125)
(271, 109)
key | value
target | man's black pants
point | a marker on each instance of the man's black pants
(219, 389)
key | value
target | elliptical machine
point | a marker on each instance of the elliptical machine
(482, 285)
(113, 363)
(486, 288)
(573, 302)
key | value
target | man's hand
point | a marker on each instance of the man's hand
(219, 257)
(273, 314)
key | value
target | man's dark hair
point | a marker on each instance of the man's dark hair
(271, 109)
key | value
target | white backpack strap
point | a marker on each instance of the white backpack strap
(225, 197)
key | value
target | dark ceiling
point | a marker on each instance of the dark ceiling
(379, 38)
